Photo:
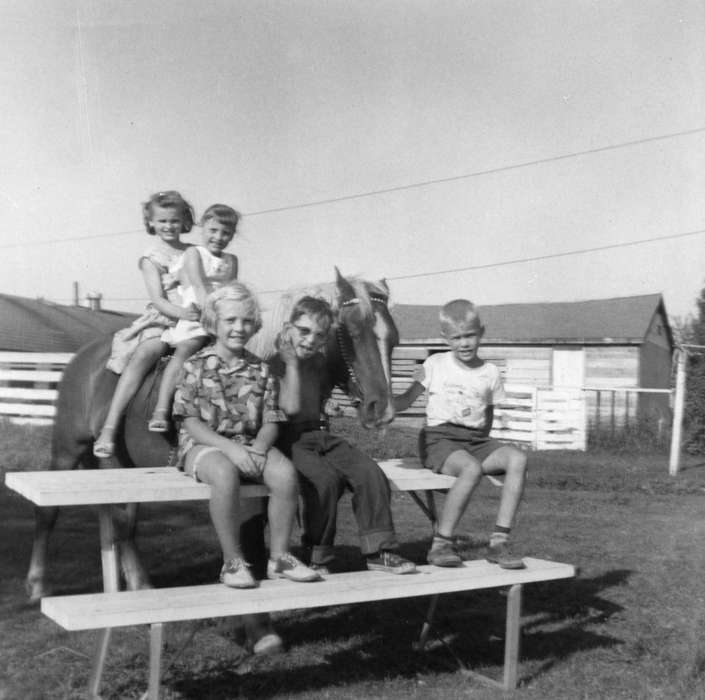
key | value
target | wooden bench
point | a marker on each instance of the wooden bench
(156, 607)
(106, 487)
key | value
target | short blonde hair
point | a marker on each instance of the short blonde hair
(234, 291)
(458, 311)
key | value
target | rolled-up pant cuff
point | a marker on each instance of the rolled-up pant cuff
(371, 542)
(322, 554)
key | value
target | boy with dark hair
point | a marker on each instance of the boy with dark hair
(327, 464)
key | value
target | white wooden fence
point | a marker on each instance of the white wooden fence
(28, 385)
(539, 418)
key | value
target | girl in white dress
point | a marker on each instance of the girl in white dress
(205, 268)
(137, 348)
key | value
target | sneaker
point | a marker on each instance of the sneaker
(443, 553)
(288, 566)
(390, 562)
(268, 644)
(501, 555)
(236, 574)
(322, 569)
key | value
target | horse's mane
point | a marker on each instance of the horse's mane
(263, 344)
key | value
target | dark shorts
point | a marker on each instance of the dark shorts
(437, 443)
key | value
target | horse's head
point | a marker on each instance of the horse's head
(365, 336)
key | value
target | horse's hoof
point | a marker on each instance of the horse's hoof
(36, 590)
(268, 644)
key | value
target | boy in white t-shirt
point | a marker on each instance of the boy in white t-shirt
(462, 391)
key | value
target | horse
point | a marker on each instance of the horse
(358, 357)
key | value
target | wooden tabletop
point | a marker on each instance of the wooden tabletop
(149, 485)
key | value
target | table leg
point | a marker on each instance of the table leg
(110, 559)
(156, 634)
(512, 637)
(428, 508)
(428, 622)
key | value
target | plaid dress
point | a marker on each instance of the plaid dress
(234, 401)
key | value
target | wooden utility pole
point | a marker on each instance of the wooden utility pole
(678, 411)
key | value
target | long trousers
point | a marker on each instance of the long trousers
(327, 466)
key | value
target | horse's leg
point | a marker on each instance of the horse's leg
(44, 522)
(67, 453)
(135, 575)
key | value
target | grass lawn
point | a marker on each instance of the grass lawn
(631, 625)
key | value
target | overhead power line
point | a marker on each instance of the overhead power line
(399, 188)
(477, 173)
(548, 256)
(499, 263)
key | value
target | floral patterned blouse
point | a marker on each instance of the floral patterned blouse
(234, 401)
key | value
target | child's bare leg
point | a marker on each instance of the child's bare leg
(223, 476)
(512, 463)
(159, 422)
(143, 359)
(280, 477)
(468, 473)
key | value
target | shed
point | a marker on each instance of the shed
(612, 348)
(37, 339)
(34, 325)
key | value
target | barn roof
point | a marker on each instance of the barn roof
(33, 325)
(601, 321)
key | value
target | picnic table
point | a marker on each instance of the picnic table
(112, 608)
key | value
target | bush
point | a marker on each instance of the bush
(644, 436)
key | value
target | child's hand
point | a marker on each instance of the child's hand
(285, 346)
(259, 459)
(242, 459)
(192, 313)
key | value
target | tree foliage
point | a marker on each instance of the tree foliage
(693, 332)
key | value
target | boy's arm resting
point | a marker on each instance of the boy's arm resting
(403, 401)
(155, 291)
(288, 371)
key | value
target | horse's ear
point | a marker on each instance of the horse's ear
(383, 284)
(345, 289)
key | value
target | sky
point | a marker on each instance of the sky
(498, 150)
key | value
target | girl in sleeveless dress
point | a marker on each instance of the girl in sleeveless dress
(206, 268)
(137, 348)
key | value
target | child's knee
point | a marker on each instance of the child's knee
(463, 466)
(220, 473)
(517, 463)
(280, 474)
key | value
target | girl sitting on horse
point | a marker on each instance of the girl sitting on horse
(206, 268)
(226, 406)
(137, 348)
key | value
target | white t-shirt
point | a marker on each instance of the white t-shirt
(456, 393)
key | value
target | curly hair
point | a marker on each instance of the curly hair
(168, 199)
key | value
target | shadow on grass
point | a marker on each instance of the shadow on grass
(340, 645)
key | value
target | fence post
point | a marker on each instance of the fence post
(536, 417)
(678, 410)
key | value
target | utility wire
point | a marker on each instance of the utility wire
(479, 173)
(500, 263)
(400, 188)
(548, 256)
